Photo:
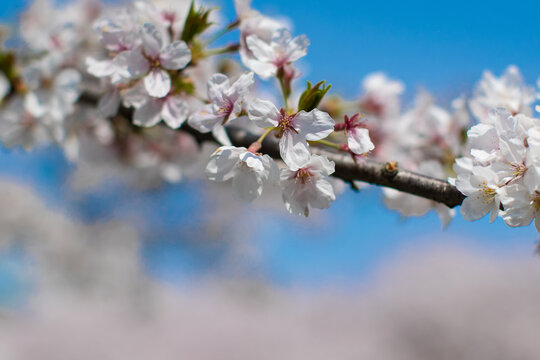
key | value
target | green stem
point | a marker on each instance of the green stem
(268, 131)
(326, 143)
(220, 51)
(284, 93)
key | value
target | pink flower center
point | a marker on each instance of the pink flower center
(303, 175)
(286, 123)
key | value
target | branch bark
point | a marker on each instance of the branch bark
(347, 169)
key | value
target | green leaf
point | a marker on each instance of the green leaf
(313, 95)
(196, 23)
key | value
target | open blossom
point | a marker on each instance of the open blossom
(172, 109)
(294, 129)
(381, 95)
(481, 186)
(25, 122)
(57, 96)
(521, 201)
(226, 101)
(249, 172)
(509, 91)
(308, 186)
(168, 15)
(152, 60)
(281, 51)
(253, 23)
(357, 135)
(503, 168)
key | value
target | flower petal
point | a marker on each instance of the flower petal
(359, 141)
(175, 56)
(204, 120)
(294, 150)
(175, 111)
(152, 40)
(149, 114)
(314, 125)
(263, 113)
(222, 164)
(247, 186)
(157, 83)
(131, 64)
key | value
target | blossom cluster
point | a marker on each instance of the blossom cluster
(135, 89)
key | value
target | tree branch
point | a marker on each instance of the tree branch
(388, 175)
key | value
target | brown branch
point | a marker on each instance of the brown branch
(388, 175)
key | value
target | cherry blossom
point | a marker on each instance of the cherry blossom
(357, 135)
(308, 186)
(226, 103)
(172, 109)
(152, 60)
(294, 129)
(508, 91)
(282, 50)
(249, 171)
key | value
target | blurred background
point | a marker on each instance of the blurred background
(118, 272)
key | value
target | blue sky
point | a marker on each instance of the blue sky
(441, 46)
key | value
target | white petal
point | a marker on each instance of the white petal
(294, 150)
(260, 49)
(222, 164)
(297, 48)
(321, 164)
(66, 85)
(265, 70)
(204, 120)
(157, 83)
(473, 208)
(314, 125)
(216, 87)
(247, 186)
(99, 68)
(149, 114)
(263, 113)
(175, 56)
(221, 135)
(241, 86)
(152, 41)
(175, 112)
(359, 141)
(33, 105)
(131, 64)
(252, 161)
(323, 195)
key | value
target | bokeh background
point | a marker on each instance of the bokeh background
(183, 270)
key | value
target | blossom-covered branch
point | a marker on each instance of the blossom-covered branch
(162, 80)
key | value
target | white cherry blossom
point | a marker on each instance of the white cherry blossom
(172, 109)
(358, 139)
(509, 91)
(381, 95)
(249, 172)
(282, 50)
(226, 102)
(253, 23)
(521, 201)
(294, 129)
(481, 186)
(152, 60)
(308, 186)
